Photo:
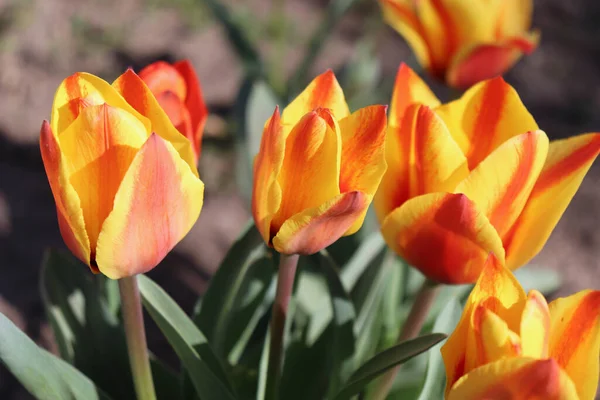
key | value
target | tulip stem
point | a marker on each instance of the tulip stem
(411, 328)
(285, 284)
(135, 334)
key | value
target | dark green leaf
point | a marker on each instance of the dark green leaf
(385, 360)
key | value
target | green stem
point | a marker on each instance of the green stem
(285, 284)
(411, 328)
(136, 338)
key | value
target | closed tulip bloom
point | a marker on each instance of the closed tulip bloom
(471, 177)
(512, 345)
(123, 178)
(317, 169)
(464, 42)
(177, 89)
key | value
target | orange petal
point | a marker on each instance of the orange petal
(502, 183)
(68, 208)
(266, 193)
(310, 172)
(175, 109)
(439, 31)
(515, 379)
(409, 88)
(194, 101)
(496, 290)
(443, 235)
(515, 17)
(486, 116)
(575, 339)
(566, 165)
(484, 61)
(316, 228)
(323, 92)
(135, 91)
(535, 326)
(149, 219)
(161, 77)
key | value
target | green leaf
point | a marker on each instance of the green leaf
(385, 360)
(392, 301)
(203, 367)
(545, 280)
(45, 376)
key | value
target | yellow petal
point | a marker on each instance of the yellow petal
(502, 183)
(575, 339)
(486, 116)
(515, 17)
(535, 326)
(566, 165)
(471, 22)
(515, 379)
(158, 202)
(443, 235)
(409, 88)
(439, 33)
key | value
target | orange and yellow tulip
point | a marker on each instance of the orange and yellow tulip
(123, 178)
(317, 169)
(177, 89)
(464, 42)
(471, 177)
(509, 345)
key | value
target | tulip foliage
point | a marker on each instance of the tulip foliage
(385, 257)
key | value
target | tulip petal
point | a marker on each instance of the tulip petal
(502, 183)
(566, 165)
(194, 101)
(439, 32)
(175, 109)
(81, 90)
(535, 326)
(486, 116)
(266, 195)
(68, 207)
(136, 93)
(484, 61)
(409, 88)
(496, 290)
(149, 219)
(422, 158)
(316, 228)
(575, 339)
(163, 77)
(323, 92)
(519, 378)
(515, 17)
(443, 235)
(310, 171)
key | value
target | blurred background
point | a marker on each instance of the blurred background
(43, 41)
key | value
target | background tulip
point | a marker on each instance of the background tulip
(124, 180)
(177, 89)
(511, 345)
(464, 42)
(471, 177)
(317, 169)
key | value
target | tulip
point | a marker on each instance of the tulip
(509, 345)
(317, 169)
(464, 42)
(123, 178)
(177, 89)
(471, 177)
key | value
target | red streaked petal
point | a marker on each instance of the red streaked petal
(535, 326)
(161, 77)
(409, 88)
(194, 101)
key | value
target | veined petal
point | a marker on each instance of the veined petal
(575, 339)
(163, 77)
(81, 90)
(443, 235)
(486, 116)
(68, 207)
(310, 171)
(567, 163)
(316, 228)
(482, 61)
(519, 378)
(139, 96)
(266, 194)
(409, 89)
(535, 326)
(502, 183)
(323, 92)
(194, 101)
(148, 220)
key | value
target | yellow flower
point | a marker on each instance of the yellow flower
(317, 169)
(471, 177)
(123, 178)
(464, 42)
(509, 345)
